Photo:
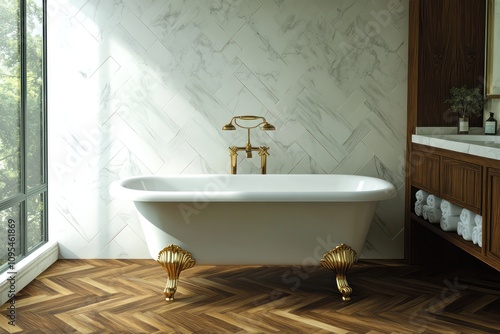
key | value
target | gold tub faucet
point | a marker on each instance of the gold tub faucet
(248, 148)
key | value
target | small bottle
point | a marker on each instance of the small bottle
(490, 126)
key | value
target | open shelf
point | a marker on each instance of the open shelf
(452, 237)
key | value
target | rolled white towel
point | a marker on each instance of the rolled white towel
(418, 209)
(478, 220)
(475, 235)
(467, 231)
(449, 223)
(460, 227)
(434, 201)
(433, 215)
(478, 228)
(449, 208)
(425, 211)
(467, 216)
(421, 196)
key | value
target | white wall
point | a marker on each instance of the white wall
(144, 87)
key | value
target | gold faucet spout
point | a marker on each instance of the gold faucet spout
(248, 151)
(248, 148)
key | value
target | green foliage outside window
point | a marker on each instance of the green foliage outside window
(22, 122)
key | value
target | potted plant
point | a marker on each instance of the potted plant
(466, 102)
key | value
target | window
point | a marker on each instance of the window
(23, 148)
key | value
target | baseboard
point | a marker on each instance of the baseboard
(27, 270)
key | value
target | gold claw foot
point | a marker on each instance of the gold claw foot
(174, 260)
(340, 259)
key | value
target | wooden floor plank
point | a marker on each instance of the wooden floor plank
(299, 320)
(118, 296)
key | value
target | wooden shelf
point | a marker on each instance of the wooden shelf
(452, 237)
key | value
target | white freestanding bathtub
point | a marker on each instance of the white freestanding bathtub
(223, 219)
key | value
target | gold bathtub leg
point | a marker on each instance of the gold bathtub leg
(174, 260)
(340, 259)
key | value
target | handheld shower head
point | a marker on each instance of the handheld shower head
(268, 127)
(229, 126)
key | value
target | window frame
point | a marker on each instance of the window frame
(26, 194)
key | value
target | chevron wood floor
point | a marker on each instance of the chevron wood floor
(125, 296)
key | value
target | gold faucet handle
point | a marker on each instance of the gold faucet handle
(263, 151)
(233, 150)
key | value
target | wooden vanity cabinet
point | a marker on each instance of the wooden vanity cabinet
(461, 183)
(468, 181)
(425, 168)
(447, 175)
(492, 241)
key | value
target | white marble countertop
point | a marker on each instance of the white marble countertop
(479, 145)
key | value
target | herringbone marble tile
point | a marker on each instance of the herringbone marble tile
(144, 87)
(125, 296)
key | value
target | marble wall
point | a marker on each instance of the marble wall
(144, 87)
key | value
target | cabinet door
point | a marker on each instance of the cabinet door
(461, 183)
(425, 171)
(493, 227)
